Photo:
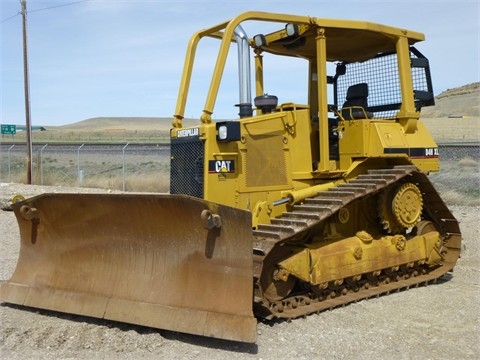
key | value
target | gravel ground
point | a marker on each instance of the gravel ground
(440, 321)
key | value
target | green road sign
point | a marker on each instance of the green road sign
(9, 129)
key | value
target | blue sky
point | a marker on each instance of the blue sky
(124, 58)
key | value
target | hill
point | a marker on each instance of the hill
(456, 115)
(124, 124)
(458, 102)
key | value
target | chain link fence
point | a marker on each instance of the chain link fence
(459, 151)
(129, 167)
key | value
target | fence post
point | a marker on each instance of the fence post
(78, 165)
(41, 163)
(123, 166)
(9, 172)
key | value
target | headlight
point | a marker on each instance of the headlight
(222, 132)
(259, 40)
(291, 29)
(228, 131)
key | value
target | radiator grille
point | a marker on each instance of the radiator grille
(186, 166)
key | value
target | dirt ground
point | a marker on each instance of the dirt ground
(439, 321)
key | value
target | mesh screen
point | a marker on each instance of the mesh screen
(186, 166)
(381, 75)
(265, 161)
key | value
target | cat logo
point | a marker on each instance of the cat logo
(221, 166)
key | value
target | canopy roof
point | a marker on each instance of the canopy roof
(346, 40)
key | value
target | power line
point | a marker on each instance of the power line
(43, 9)
(57, 6)
(11, 17)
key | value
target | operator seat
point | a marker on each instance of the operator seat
(356, 105)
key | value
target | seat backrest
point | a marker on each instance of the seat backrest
(356, 105)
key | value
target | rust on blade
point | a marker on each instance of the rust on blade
(144, 259)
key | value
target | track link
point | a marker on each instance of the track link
(295, 224)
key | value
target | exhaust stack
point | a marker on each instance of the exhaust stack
(244, 80)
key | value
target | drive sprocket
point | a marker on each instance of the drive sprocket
(400, 208)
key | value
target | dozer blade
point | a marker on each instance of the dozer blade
(165, 261)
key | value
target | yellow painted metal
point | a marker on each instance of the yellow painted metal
(407, 115)
(259, 85)
(400, 207)
(360, 254)
(374, 138)
(407, 205)
(187, 71)
(322, 99)
(423, 139)
(262, 213)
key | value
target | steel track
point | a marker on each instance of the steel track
(297, 223)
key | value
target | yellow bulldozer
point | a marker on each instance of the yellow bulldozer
(289, 209)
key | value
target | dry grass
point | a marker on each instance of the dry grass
(454, 129)
(468, 162)
(159, 183)
(458, 182)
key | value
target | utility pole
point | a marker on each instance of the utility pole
(27, 93)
